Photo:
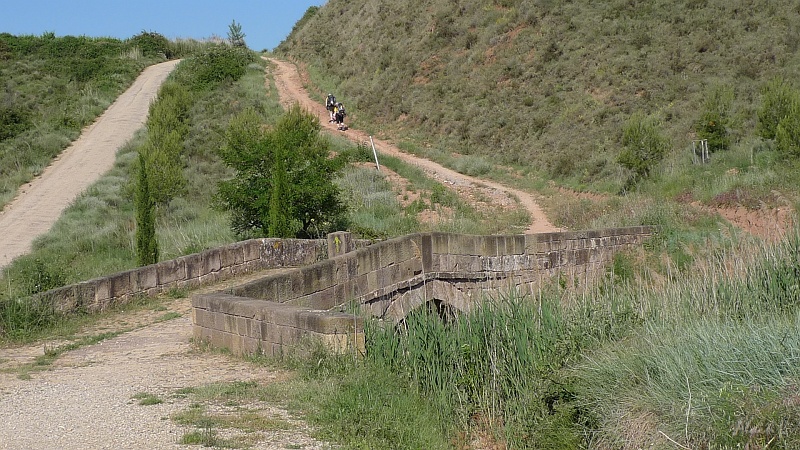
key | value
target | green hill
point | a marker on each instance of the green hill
(548, 84)
(55, 86)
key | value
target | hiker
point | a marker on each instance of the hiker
(330, 105)
(338, 115)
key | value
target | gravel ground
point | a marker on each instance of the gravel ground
(86, 399)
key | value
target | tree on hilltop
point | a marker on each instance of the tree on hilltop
(235, 35)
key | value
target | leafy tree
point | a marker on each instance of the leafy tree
(644, 146)
(283, 184)
(146, 243)
(235, 35)
(716, 119)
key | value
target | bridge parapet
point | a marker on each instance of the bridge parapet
(391, 278)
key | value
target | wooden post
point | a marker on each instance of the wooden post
(374, 153)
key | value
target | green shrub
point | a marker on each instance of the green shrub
(152, 44)
(643, 146)
(776, 104)
(13, 121)
(716, 119)
(787, 134)
(216, 64)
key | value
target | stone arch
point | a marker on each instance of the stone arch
(441, 292)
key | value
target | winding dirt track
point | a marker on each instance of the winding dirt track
(40, 203)
(291, 90)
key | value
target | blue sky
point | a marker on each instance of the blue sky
(265, 23)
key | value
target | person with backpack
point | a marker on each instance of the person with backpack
(330, 105)
(339, 114)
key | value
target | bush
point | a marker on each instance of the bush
(216, 64)
(152, 44)
(775, 104)
(715, 121)
(644, 146)
(787, 134)
(13, 121)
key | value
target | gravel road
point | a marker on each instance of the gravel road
(85, 399)
(39, 203)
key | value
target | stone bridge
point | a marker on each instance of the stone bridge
(292, 309)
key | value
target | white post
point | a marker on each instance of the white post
(374, 153)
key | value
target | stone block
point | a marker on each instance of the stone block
(120, 284)
(328, 322)
(368, 260)
(373, 283)
(146, 278)
(437, 243)
(339, 243)
(232, 255)
(322, 299)
(389, 275)
(517, 244)
(170, 271)
(252, 249)
(195, 267)
(319, 276)
(464, 244)
(202, 334)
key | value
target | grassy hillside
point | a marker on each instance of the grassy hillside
(547, 84)
(53, 87)
(690, 345)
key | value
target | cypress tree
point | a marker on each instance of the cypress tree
(146, 243)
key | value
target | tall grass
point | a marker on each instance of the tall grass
(707, 359)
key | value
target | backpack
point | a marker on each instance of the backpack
(330, 101)
(340, 109)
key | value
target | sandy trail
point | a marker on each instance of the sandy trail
(291, 90)
(40, 203)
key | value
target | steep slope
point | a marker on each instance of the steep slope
(547, 83)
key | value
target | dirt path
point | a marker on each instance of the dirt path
(86, 399)
(40, 203)
(291, 90)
